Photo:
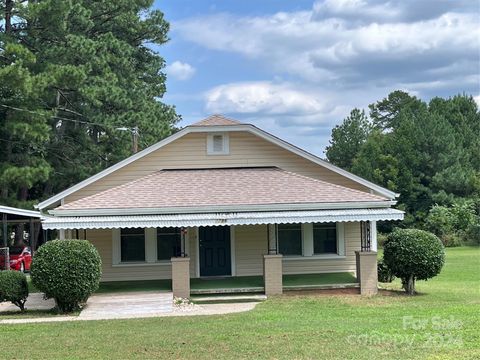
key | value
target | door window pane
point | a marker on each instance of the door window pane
(325, 238)
(168, 243)
(132, 244)
(290, 239)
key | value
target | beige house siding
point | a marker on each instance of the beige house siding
(250, 246)
(102, 240)
(190, 151)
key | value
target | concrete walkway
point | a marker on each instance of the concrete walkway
(126, 306)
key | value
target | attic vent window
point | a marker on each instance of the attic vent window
(217, 144)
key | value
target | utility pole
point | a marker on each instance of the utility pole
(8, 15)
(135, 139)
(135, 133)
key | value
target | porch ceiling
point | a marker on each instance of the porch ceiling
(220, 219)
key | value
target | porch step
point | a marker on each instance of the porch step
(227, 291)
(228, 299)
(321, 287)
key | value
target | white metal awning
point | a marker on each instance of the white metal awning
(220, 219)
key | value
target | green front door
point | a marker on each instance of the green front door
(215, 259)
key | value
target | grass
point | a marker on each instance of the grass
(33, 314)
(288, 327)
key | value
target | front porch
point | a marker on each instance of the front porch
(237, 284)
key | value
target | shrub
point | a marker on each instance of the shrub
(384, 273)
(412, 255)
(13, 288)
(68, 271)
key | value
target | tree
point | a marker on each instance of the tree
(413, 255)
(23, 134)
(348, 138)
(94, 71)
(427, 152)
(385, 113)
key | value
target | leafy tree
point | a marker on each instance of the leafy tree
(348, 138)
(427, 152)
(412, 255)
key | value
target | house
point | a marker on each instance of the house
(222, 198)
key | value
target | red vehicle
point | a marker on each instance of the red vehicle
(20, 258)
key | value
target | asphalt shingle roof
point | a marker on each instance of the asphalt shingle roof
(219, 187)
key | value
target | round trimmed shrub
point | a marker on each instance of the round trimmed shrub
(68, 271)
(13, 288)
(412, 255)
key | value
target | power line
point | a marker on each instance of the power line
(57, 117)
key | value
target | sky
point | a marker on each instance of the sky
(297, 68)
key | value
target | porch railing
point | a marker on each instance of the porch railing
(365, 236)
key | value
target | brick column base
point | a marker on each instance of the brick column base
(367, 272)
(181, 277)
(272, 274)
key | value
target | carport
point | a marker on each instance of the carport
(20, 222)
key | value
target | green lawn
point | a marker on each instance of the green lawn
(288, 327)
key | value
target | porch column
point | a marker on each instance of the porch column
(367, 272)
(272, 274)
(181, 277)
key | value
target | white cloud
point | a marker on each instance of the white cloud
(180, 71)
(477, 100)
(335, 56)
(262, 97)
(334, 47)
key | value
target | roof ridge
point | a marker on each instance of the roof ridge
(216, 117)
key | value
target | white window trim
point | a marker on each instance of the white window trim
(232, 251)
(308, 247)
(226, 144)
(117, 250)
(373, 235)
(150, 250)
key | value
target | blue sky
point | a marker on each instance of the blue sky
(297, 68)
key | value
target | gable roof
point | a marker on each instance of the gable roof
(216, 119)
(235, 189)
(217, 128)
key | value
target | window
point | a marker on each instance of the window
(325, 238)
(217, 144)
(132, 245)
(290, 239)
(168, 243)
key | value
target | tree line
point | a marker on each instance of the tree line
(71, 74)
(428, 152)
